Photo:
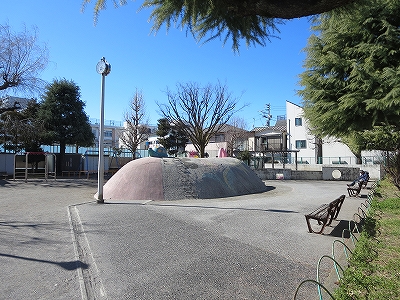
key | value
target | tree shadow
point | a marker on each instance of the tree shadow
(67, 265)
(205, 206)
(14, 224)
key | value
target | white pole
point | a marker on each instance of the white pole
(100, 171)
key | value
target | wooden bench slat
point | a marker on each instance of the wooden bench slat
(320, 212)
(325, 214)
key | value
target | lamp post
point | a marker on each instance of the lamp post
(103, 68)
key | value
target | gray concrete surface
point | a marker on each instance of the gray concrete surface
(58, 243)
(182, 178)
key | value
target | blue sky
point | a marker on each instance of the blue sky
(154, 62)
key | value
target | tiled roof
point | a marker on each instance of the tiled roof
(229, 128)
(8, 101)
(280, 126)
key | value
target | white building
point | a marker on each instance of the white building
(149, 131)
(298, 135)
(112, 131)
(312, 150)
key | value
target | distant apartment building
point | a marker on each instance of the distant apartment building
(112, 131)
(150, 142)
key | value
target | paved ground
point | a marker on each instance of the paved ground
(58, 243)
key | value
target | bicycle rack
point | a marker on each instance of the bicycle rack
(354, 227)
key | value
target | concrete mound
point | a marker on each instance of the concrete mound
(158, 179)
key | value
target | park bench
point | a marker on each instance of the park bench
(325, 214)
(364, 184)
(354, 191)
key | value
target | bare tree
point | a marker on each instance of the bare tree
(199, 111)
(21, 60)
(236, 135)
(136, 130)
(22, 130)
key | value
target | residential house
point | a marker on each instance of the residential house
(11, 102)
(269, 138)
(312, 150)
(230, 138)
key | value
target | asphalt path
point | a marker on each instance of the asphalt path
(58, 243)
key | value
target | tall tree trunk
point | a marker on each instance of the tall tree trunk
(318, 150)
(202, 151)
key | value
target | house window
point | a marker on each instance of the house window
(273, 143)
(301, 144)
(107, 133)
(298, 122)
(219, 138)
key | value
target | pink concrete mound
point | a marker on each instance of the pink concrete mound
(158, 179)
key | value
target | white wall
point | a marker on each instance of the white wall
(294, 111)
(332, 149)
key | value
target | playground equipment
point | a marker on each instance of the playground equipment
(115, 155)
(222, 152)
(158, 152)
(35, 158)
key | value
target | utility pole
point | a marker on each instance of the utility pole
(266, 113)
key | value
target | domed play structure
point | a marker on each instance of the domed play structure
(158, 179)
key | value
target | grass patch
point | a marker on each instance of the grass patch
(374, 271)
